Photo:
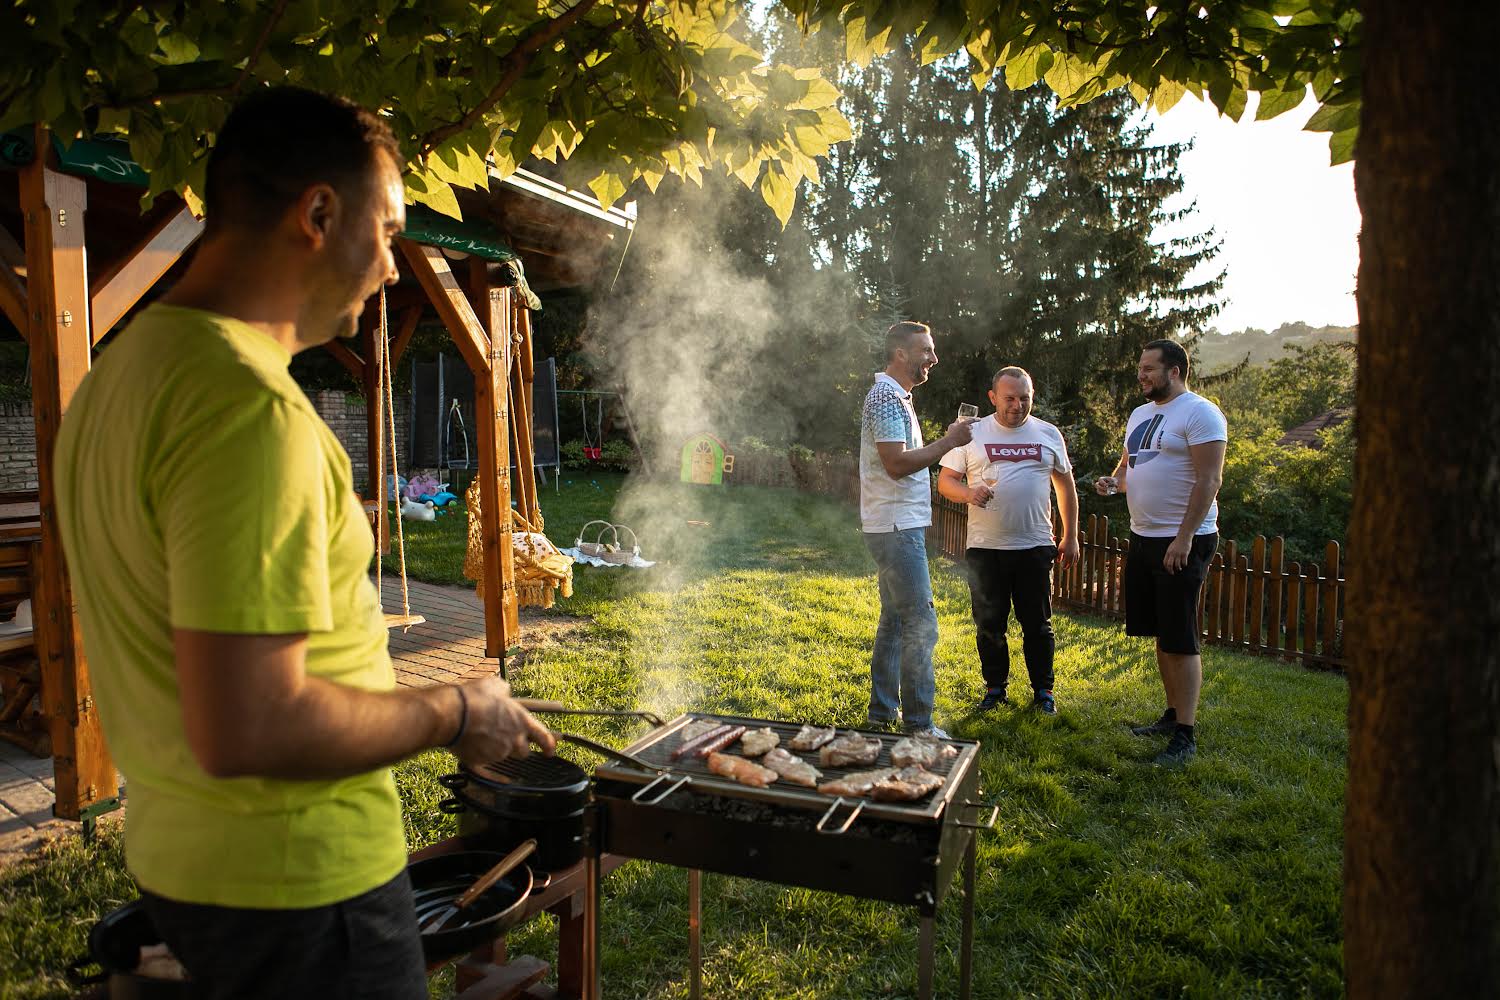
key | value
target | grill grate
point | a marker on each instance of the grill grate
(532, 771)
(656, 747)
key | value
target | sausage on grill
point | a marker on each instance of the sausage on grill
(717, 741)
(691, 746)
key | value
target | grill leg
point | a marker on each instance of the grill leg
(966, 949)
(592, 872)
(925, 937)
(695, 933)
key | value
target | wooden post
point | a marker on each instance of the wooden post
(520, 407)
(371, 376)
(1331, 604)
(1293, 610)
(57, 292)
(1278, 554)
(1257, 591)
(1310, 615)
(492, 414)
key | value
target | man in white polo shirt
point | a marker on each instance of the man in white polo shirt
(1006, 475)
(895, 509)
(1170, 471)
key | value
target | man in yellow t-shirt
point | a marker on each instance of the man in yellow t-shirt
(220, 561)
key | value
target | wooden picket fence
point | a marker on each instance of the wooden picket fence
(1251, 601)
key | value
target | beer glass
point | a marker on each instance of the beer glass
(967, 411)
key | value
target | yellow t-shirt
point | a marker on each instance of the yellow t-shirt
(197, 488)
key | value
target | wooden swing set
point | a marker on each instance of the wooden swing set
(63, 304)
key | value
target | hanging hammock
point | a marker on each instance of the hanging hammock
(405, 619)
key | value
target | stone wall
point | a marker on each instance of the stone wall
(344, 413)
(17, 447)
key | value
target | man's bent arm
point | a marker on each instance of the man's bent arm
(1208, 467)
(899, 462)
(1067, 503)
(951, 485)
(250, 709)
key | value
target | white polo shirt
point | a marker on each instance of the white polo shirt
(1019, 516)
(887, 504)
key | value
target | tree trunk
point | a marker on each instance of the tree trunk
(1422, 821)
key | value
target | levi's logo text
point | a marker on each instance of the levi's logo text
(1013, 452)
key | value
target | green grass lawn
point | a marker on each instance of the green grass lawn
(1103, 877)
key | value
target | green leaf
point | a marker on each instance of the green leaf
(608, 188)
(1027, 68)
(779, 193)
(1068, 75)
(1166, 95)
(424, 189)
(1333, 118)
(1279, 102)
(1341, 146)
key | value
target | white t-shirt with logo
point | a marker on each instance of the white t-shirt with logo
(887, 504)
(1159, 477)
(1019, 516)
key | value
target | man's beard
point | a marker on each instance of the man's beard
(1158, 392)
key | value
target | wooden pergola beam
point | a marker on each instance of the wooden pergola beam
(492, 416)
(57, 285)
(123, 283)
(447, 297)
(351, 361)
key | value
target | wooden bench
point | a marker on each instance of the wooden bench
(21, 718)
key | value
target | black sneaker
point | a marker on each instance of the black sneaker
(992, 698)
(1164, 726)
(1043, 702)
(1178, 752)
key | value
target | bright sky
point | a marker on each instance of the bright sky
(1288, 221)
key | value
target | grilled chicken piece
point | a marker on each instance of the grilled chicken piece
(812, 737)
(746, 772)
(759, 741)
(921, 752)
(858, 783)
(697, 728)
(792, 768)
(851, 748)
(906, 785)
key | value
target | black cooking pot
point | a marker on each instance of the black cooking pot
(438, 881)
(537, 797)
(115, 944)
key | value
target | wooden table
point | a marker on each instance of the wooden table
(489, 973)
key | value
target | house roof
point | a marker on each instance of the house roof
(1309, 435)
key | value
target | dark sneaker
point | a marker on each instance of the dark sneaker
(1043, 702)
(1165, 726)
(991, 700)
(1178, 752)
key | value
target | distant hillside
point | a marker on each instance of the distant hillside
(1218, 351)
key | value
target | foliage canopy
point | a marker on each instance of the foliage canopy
(627, 90)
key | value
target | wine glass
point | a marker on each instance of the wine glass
(990, 477)
(968, 411)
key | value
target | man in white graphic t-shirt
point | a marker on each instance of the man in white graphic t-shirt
(1006, 474)
(1170, 471)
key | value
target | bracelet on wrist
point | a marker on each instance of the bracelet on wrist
(463, 716)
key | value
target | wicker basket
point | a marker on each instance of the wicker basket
(610, 551)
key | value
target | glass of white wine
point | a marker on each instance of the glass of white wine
(968, 411)
(990, 477)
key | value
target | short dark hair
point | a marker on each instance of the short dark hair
(280, 141)
(1013, 371)
(1172, 355)
(898, 337)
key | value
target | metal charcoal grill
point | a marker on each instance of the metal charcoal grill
(903, 853)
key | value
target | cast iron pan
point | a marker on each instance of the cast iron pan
(436, 882)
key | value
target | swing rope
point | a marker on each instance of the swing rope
(390, 417)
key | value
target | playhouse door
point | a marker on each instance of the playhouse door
(704, 465)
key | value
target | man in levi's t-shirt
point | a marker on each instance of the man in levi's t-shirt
(1006, 474)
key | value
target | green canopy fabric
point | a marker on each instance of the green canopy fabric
(109, 160)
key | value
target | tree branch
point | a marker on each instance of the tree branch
(260, 45)
(514, 64)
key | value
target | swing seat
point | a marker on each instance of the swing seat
(402, 621)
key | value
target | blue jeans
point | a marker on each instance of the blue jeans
(901, 666)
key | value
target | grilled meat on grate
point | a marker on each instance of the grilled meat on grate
(920, 751)
(746, 772)
(792, 768)
(906, 785)
(857, 783)
(851, 748)
(812, 737)
(759, 741)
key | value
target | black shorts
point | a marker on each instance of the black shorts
(1166, 604)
